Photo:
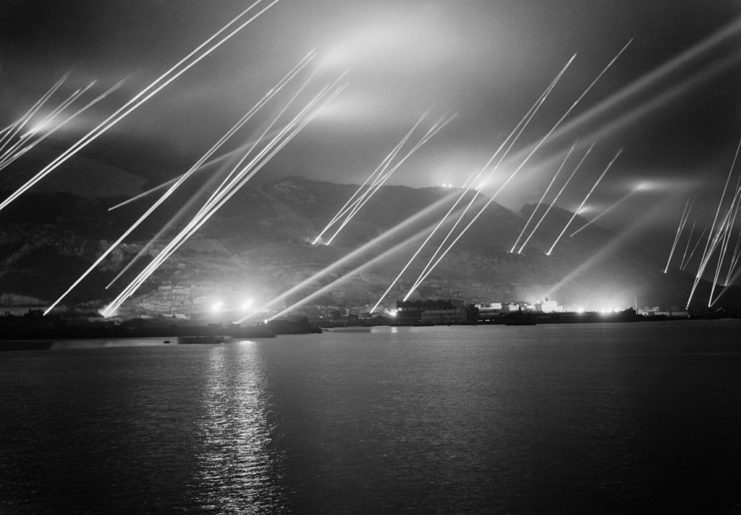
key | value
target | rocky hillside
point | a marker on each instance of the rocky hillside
(259, 246)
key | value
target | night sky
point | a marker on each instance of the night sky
(486, 60)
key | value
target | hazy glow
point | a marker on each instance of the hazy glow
(606, 251)
(502, 152)
(376, 179)
(709, 249)
(145, 94)
(196, 166)
(540, 200)
(412, 41)
(607, 210)
(682, 222)
(599, 179)
(237, 178)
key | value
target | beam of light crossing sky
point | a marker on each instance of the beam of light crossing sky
(472, 179)
(605, 251)
(542, 198)
(678, 235)
(398, 247)
(148, 92)
(399, 227)
(359, 252)
(444, 219)
(209, 185)
(214, 148)
(727, 230)
(348, 275)
(694, 248)
(733, 270)
(558, 195)
(206, 166)
(687, 246)
(431, 132)
(606, 211)
(660, 101)
(11, 153)
(594, 186)
(695, 52)
(734, 258)
(502, 151)
(509, 143)
(188, 231)
(61, 124)
(233, 177)
(300, 120)
(716, 240)
(533, 150)
(23, 120)
(247, 149)
(705, 258)
(733, 279)
(194, 225)
(372, 179)
(57, 110)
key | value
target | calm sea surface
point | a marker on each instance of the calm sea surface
(591, 418)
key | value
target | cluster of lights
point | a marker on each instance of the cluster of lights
(219, 306)
(602, 311)
(448, 186)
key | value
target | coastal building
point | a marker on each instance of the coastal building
(489, 311)
(435, 312)
(547, 306)
(458, 315)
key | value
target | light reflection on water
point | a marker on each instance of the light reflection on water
(611, 418)
(237, 471)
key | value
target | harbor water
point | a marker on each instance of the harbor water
(572, 418)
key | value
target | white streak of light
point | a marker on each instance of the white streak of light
(372, 178)
(63, 123)
(705, 257)
(542, 198)
(687, 246)
(555, 199)
(256, 164)
(727, 230)
(680, 227)
(607, 210)
(348, 275)
(609, 165)
(431, 132)
(219, 143)
(23, 120)
(694, 248)
(152, 89)
(522, 164)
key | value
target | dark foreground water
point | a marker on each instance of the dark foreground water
(604, 418)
